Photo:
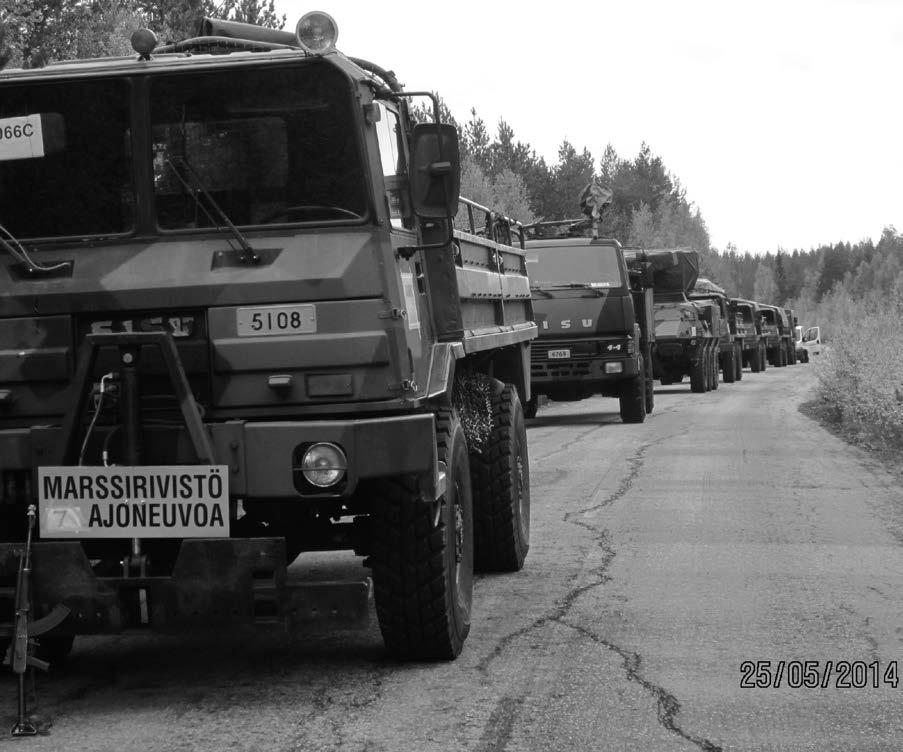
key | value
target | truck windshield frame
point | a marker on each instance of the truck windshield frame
(587, 265)
(275, 145)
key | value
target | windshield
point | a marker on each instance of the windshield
(84, 187)
(590, 265)
(269, 145)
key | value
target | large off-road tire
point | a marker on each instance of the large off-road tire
(755, 360)
(738, 363)
(650, 395)
(715, 369)
(791, 354)
(729, 371)
(531, 407)
(698, 373)
(633, 398)
(781, 357)
(423, 574)
(500, 480)
(763, 359)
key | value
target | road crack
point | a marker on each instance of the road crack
(667, 704)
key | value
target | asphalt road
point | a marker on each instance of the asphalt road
(727, 528)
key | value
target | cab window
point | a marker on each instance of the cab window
(389, 136)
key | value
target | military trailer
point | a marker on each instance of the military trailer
(687, 333)
(772, 332)
(236, 326)
(748, 327)
(594, 319)
(730, 353)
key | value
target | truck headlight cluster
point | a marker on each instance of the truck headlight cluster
(323, 465)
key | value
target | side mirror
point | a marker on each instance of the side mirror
(435, 170)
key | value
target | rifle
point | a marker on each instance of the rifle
(20, 655)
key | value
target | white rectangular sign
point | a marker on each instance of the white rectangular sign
(559, 353)
(262, 321)
(21, 138)
(153, 501)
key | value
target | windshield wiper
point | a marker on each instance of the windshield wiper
(194, 186)
(15, 249)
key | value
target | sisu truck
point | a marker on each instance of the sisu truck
(730, 353)
(594, 319)
(748, 322)
(773, 325)
(236, 325)
(687, 333)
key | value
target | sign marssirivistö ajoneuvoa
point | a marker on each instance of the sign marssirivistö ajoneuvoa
(153, 501)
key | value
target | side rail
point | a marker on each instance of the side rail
(492, 275)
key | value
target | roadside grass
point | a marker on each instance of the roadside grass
(860, 380)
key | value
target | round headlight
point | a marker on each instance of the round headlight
(324, 465)
(317, 32)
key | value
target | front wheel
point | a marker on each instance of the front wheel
(698, 375)
(633, 398)
(738, 362)
(531, 407)
(423, 569)
(500, 481)
(729, 370)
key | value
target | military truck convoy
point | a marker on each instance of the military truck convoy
(242, 328)
(246, 327)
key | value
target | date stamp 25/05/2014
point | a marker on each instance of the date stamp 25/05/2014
(818, 674)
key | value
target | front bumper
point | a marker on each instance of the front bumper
(215, 582)
(262, 455)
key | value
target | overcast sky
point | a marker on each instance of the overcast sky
(783, 120)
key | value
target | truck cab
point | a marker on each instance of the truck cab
(592, 339)
(237, 326)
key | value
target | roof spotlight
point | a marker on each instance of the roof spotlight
(317, 32)
(143, 42)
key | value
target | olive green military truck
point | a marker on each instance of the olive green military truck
(594, 318)
(236, 325)
(748, 322)
(730, 353)
(773, 327)
(687, 333)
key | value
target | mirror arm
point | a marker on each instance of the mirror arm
(407, 251)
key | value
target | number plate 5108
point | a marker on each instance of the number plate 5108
(260, 321)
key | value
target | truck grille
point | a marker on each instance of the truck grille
(539, 352)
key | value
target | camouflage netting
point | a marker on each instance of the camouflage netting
(673, 271)
(707, 287)
(471, 398)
